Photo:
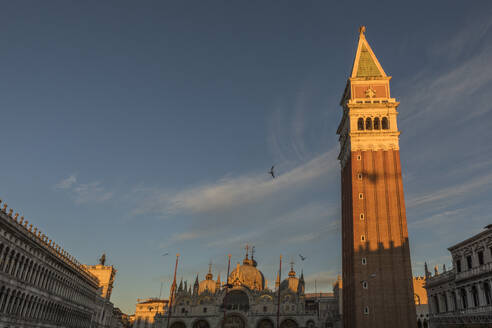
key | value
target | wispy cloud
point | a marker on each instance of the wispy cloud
(91, 192)
(230, 192)
(443, 93)
(84, 192)
(67, 182)
(450, 194)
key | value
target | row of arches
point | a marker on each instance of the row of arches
(23, 305)
(468, 298)
(28, 269)
(236, 321)
(372, 124)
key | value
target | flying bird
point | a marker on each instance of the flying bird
(271, 172)
(165, 254)
(302, 257)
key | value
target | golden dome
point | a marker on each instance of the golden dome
(292, 282)
(247, 275)
(207, 284)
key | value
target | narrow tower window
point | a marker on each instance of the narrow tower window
(366, 310)
(362, 216)
(358, 157)
(363, 238)
(359, 176)
(365, 285)
(385, 123)
(364, 261)
(377, 126)
(360, 124)
(368, 124)
(361, 196)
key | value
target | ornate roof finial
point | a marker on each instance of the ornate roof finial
(247, 250)
(292, 273)
(209, 275)
(362, 30)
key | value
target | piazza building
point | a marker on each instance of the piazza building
(245, 300)
(462, 295)
(42, 285)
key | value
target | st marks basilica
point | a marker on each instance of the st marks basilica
(245, 300)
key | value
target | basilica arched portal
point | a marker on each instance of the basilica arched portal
(289, 323)
(265, 323)
(234, 321)
(178, 324)
(201, 324)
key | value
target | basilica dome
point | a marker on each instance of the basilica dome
(247, 275)
(292, 283)
(208, 284)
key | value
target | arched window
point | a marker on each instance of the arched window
(475, 296)
(377, 126)
(487, 292)
(236, 300)
(455, 303)
(368, 123)
(289, 323)
(201, 324)
(385, 123)
(464, 302)
(265, 323)
(436, 304)
(360, 124)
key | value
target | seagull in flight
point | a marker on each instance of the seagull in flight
(271, 172)
(165, 254)
(302, 257)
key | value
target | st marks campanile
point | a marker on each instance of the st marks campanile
(377, 275)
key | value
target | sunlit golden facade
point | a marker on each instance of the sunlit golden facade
(247, 302)
(377, 276)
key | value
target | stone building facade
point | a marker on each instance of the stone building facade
(145, 311)
(376, 267)
(421, 305)
(244, 300)
(462, 296)
(42, 285)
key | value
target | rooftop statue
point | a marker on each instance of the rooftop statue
(102, 260)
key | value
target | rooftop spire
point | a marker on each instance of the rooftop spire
(366, 65)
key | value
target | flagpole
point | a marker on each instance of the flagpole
(278, 298)
(226, 289)
(171, 295)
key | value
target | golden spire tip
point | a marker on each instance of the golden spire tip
(362, 30)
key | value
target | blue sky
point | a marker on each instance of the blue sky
(140, 128)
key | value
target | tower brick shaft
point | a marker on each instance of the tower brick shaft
(377, 275)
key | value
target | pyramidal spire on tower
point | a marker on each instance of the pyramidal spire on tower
(374, 226)
(365, 63)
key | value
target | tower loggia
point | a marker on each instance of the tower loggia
(377, 276)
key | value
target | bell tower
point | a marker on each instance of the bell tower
(377, 275)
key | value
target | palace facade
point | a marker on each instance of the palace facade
(462, 295)
(42, 285)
